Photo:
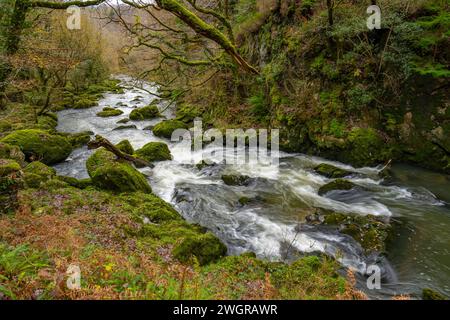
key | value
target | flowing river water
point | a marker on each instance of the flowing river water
(417, 257)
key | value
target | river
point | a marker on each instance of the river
(282, 196)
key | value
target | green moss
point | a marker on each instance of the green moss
(47, 122)
(124, 120)
(109, 112)
(40, 145)
(80, 139)
(12, 152)
(145, 113)
(166, 128)
(37, 173)
(330, 171)
(76, 183)
(430, 294)
(338, 184)
(187, 113)
(125, 146)
(235, 180)
(84, 103)
(205, 248)
(8, 166)
(109, 174)
(244, 200)
(125, 127)
(370, 231)
(154, 151)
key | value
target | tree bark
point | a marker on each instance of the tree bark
(102, 142)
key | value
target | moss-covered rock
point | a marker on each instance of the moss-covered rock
(205, 248)
(40, 145)
(154, 151)
(145, 113)
(125, 127)
(109, 112)
(84, 103)
(8, 166)
(244, 201)
(124, 120)
(338, 184)
(166, 128)
(36, 173)
(12, 152)
(330, 171)
(370, 231)
(80, 139)
(125, 146)
(109, 174)
(47, 122)
(74, 182)
(235, 179)
(430, 294)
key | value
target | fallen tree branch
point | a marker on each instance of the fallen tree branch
(105, 143)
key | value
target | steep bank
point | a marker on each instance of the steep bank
(341, 91)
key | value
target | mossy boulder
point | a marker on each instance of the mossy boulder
(40, 145)
(124, 120)
(125, 146)
(154, 151)
(80, 139)
(74, 182)
(430, 294)
(12, 152)
(157, 210)
(370, 231)
(235, 180)
(145, 113)
(8, 166)
(47, 122)
(330, 171)
(166, 128)
(36, 173)
(84, 103)
(109, 112)
(244, 201)
(338, 184)
(205, 248)
(109, 174)
(125, 127)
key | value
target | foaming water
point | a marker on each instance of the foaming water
(280, 196)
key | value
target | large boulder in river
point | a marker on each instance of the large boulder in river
(370, 231)
(338, 184)
(205, 248)
(40, 145)
(154, 151)
(125, 146)
(166, 128)
(145, 113)
(110, 174)
(235, 180)
(330, 171)
(109, 112)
